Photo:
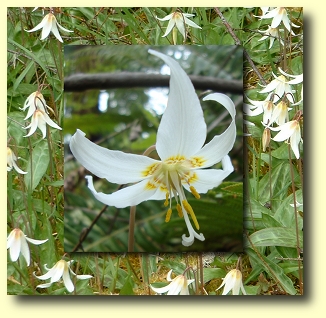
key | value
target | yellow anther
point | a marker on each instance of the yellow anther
(168, 215)
(189, 209)
(194, 192)
(179, 209)
(166, 203)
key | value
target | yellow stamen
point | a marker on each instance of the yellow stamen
(168, 215)
(179, 209)
(189, 209)
(166, 203)
(194, 192)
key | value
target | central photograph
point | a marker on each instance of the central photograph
(153, 149)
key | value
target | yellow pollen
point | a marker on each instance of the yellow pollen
(166, 203)
(194, 192)
(197, 161)
(174, 159)
(168, 215)
(150, 170)
(179, 209)
(189, 209)
(150, 186)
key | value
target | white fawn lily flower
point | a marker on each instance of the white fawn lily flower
(33, 102)
(280, 86)
(290, 130)
(271, 34)
(17, 243)
(40, 119)
(178, 285)
(179, 20)
(11, 162)
(257, 107)
(60, 269)
(179, 144)
(280, 114)
(233, 280)
(49, 24)
(279, 15)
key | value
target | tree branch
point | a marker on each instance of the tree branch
(82, 82)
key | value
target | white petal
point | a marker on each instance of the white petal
(211, 178)
(46, 285)
(25, 250)
(286, 132)
(46, 30)
(63, 29)
(192, 24)
(115, 166)
(39, 26)
(168, 17)
(169, 28)
(128, 196)
(33, 126)
(67, 281)
(35, 242)
(180, 25)
(168, 277)
(56, 33)
(14, 250)
(18, 169)
(182, 129)
(220, 145)
(161, 290)
(50, 122)
(84, 276)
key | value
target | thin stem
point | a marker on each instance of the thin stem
(296, 221)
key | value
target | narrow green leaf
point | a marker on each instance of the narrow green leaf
(275, 236)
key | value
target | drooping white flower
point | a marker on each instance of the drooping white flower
(179, 20)
(40, 119)
(233, 280)
(49, 24)
(178, 285)
(257, 107)
(179, 144)
(280, 86)
(34, 101)
(11, 162)
(290, 130)
(271, 34)
(279, 15)
(280, 114)
(17, 243)
(60, 269)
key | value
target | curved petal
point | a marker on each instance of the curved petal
(220, 145)
(168, 17)
(180, 25)
(286, 132)
(55, 31)
(35, 242)
(39, 26)
(182, 129)
(168, 277)
(24, 249)
(63, 29)
(176, 285)
(161, 290)
(33, 126)
(83, 276)
(115, 166)
(46, 28)
(14, 250)
(46, 285)
(18, 169)
(277, 20)
(192, 24)
(128, 196)
(50, 122)
(169, 28)
(67, 281)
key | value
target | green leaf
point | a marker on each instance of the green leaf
(275, 236)
(273, 270)
(37, 165)
(212, 273)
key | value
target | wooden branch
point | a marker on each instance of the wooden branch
(82, 82)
